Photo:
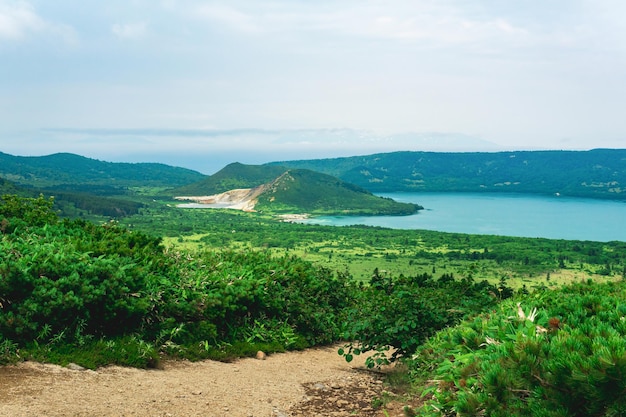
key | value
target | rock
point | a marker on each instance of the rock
(260, 355)
(342, 403)
(279, 413)
(74, 367)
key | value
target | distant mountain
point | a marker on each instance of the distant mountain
(599, 173)
(68, 171)
(86, 186)
(277, 189)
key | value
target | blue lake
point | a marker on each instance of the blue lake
(503, 214)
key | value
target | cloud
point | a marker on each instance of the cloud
(229, 16)
(130, 30)
(17, 18)
(442, 21)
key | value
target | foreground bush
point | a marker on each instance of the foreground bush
(394, 316)
(73, 283)
(559, 353)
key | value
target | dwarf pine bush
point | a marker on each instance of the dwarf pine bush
(71, 283)
(569, 360)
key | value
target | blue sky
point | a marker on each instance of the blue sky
(202, 83)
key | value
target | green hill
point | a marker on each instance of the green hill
(69, 171)
(599, 173)
(232, 176)
(302, 190)
(282, 190)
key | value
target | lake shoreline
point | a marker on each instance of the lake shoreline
(504, 214)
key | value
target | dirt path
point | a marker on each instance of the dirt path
(315, 382)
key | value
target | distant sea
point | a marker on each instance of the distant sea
(524, 215)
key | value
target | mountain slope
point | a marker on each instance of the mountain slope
(67, 170)
(275, 189)
(599, 173)
(300, 190)
(73, 204)
(8, 187)
(232, 176)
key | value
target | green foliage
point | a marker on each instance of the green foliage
(394, 316)
(234, 289)
(92, 354)
(63, 274)
(72, 204)
(16, 211)
(9, 351)
(69, 286)
(559, 353)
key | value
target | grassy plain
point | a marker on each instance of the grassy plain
(360, 250)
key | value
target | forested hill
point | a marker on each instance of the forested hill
(69, 171)
(283, 190)
(232, 176)
(599, 173)
(306, 191)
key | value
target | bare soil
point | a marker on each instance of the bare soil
(315, 382)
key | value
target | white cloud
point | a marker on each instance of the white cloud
(130, 30)
(389, 19)
(17, 18)
(229, 16)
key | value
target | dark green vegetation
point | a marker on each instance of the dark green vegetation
(77, 173)
(88, 187)
(394, 316)
(599, 173)
(70, 288)
(282, 190)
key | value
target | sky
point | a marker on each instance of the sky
(204, 83)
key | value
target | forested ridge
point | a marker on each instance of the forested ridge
(88, 187)
(70, 170)
(599, 173)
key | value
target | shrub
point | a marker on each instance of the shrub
(65, 283)
(566, 359)
(393, 316)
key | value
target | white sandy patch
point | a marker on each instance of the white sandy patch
(238, 199)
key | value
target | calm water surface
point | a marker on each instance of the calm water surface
(503, 214)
